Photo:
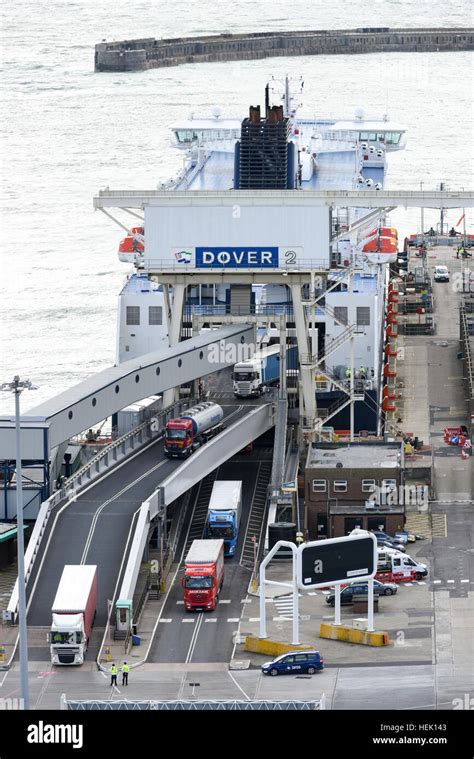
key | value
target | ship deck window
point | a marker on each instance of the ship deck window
(133, 315)
(155, 316)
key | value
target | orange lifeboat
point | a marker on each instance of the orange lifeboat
(130, 246)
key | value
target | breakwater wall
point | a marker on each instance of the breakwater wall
(142, 54)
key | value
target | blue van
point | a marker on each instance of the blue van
(293, 663)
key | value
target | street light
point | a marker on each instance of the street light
(16, 387)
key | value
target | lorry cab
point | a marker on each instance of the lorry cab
(203, 574)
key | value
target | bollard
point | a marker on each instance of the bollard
(2, 653)
(162, 586)
(107, 653)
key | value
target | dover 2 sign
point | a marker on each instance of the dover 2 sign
(337, 560)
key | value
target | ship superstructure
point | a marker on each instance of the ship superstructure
(274, 149)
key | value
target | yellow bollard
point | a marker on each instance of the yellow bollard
(2, 653)
(162, 586)
(254, 586)
(107, 653)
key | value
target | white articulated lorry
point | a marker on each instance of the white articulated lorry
(73, 613)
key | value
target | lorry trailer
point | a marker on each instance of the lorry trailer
(192, 429)
(224, 514)
(203, 574)
(73, 614)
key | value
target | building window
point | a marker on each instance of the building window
(155, 316)
(363, 316)
(340, 313)
(133, 315)
(340, 486)
(319, 486)
(368, 486)
(389, 484)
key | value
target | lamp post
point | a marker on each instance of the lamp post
(16, 387)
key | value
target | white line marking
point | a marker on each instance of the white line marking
(464, 580)
(437, 582)
(452, 581)
(103, 674)
(180, 603)
(254, 619)
(194, 638)
(188, 620)
(421, 582)
(210, 620)
(227, 601)
(161, 621)
(233, 619)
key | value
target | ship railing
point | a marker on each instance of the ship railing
(175, 266)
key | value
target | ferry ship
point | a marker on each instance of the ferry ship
(320, 154)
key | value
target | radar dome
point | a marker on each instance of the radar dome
(359, 113)
(216, 111)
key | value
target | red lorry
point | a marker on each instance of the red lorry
(193, 428)
(203, 574)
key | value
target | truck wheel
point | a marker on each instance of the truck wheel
(418, 576)
(273, 672)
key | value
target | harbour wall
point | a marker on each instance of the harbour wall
(147, 53)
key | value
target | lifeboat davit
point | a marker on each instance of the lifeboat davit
(130, 246)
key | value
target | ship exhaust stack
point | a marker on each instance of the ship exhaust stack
(264, 157)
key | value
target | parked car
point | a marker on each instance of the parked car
(404, 537)
(294, 662)
(384, 539)
(362, 589)
(390, 543)
(441, 274)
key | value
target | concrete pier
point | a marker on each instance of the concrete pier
(141, 54)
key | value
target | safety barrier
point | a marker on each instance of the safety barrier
(271, 647)
(352, 635)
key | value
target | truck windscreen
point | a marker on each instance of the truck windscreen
(198, 582)
(61, 637)
(245, 376)
(176, 434)
(221, 532)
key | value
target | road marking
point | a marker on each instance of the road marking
(210, 621)
(407, 584)
(233, 619)
(180, 603)
(194, 638)
(188, 620)
(437, 582)
(246, 601)
(161, 621)
(450, 580)
(421, 582)
(464, 580)
(312, 593)
(103, 674)
(254, 619)
(227, 601)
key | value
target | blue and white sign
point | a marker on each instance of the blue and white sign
(232, 258)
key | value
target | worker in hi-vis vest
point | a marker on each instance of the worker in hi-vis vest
(113, 674)
(125, 671)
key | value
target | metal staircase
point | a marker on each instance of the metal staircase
(201, 505)
(257, 517)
